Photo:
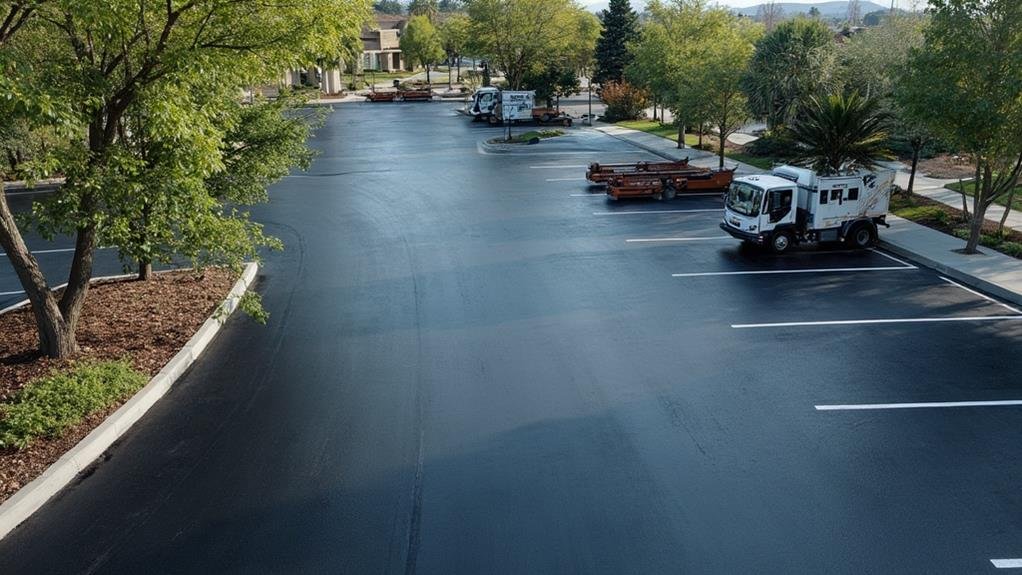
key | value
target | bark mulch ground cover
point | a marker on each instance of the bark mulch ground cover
(952, 221)
(146, 322)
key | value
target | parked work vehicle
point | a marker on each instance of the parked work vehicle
(400, 96)
(495, 106)
(795, 205)
(602, 173)
(666, 184)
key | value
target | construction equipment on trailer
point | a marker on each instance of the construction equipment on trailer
(602, 173)
(665, 185)
(381, 96)
(795, 205)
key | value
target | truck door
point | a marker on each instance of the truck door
(778, 210)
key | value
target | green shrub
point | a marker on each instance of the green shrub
(1013, 249)
(49, 405)
(776, 143)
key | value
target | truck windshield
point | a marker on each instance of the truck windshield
(744, 199)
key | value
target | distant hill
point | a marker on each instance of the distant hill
(827, 9)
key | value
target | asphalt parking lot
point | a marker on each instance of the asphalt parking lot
(476, 364)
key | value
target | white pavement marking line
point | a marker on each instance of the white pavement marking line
(632, 213)
(33, 192)
(555, 167)
(2, 293)
(974, 292)
(809, 271)
(649, 240)
(1007, 563)
(565, 179)
(55, 251)
(597, 195)
(890, 257)
(877, 321)
(868, 406)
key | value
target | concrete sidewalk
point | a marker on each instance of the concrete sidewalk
(991, 271)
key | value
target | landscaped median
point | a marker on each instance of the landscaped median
(136, 338)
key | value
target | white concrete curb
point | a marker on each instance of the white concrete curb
(31, 497)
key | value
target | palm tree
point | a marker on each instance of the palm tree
(840, 133)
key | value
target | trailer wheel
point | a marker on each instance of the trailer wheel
(544, 118)
(862, 237)
(669, 192)
(567, 122)
(781, 242)
(492, 120)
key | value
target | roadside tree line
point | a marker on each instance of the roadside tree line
(950, 75)
(139, 105)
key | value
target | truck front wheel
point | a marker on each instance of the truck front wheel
(781, 242)
(862, 237)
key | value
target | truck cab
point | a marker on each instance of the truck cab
(484, 101)
(757, 206)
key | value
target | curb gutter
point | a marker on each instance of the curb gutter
(954, 273)
(31, 497)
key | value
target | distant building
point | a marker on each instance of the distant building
(381, 44)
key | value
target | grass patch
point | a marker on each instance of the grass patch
(657, 129)
(970, 190)
(50, 405)
(527, 136)
(944, 218)
(761, 162)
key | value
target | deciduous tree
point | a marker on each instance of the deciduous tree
(421, 43)
(965, 83)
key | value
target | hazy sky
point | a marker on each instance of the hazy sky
(744, 3)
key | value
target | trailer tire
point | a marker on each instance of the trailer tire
(862, 236)
(544, 118)
(669, 192)
(781, 242)
(492, 120)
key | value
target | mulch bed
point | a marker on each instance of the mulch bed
(955, 218)
(947, 166)
(146, 322)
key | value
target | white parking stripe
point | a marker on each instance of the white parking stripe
(809, 271)
(3, 293)
(598, 195)
(555, 167)
(867, 406)
(708, 238)
(632, 213)
(565, 179)
(877, 321)
(1007, 563)
(974, 292)
(890, 257)
(55, 251)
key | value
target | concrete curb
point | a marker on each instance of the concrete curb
(31, 497)
(954, 273)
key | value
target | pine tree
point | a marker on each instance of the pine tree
(619, 28)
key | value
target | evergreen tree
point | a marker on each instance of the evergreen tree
(619, 28)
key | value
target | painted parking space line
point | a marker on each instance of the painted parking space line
(565, 179)
(3, 293)
(696, 239)
(920, 405)
(976, 293)
(636, 212)
(30, 193)
(807, 271)
(878, 321)
(556, 167)
(600, 195)
(890, 257)
(1007, 563)
(53, 251)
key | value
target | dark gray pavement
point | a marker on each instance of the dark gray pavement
(470, 369)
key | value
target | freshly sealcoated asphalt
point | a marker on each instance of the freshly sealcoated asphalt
(469, 369)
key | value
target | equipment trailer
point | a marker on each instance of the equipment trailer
(602, 173)
(665, 185)
(795, 205)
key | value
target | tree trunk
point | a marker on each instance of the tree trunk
(654, 110)
(145, 271)
(700, 144)
(681, 134)
(56, 338)
(979, 208)
(721, 150)
(459, 68)
(450, 76)
(1007, 210)
(915, 163)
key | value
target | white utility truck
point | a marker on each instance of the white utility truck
(794, 205)
(497, 106)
